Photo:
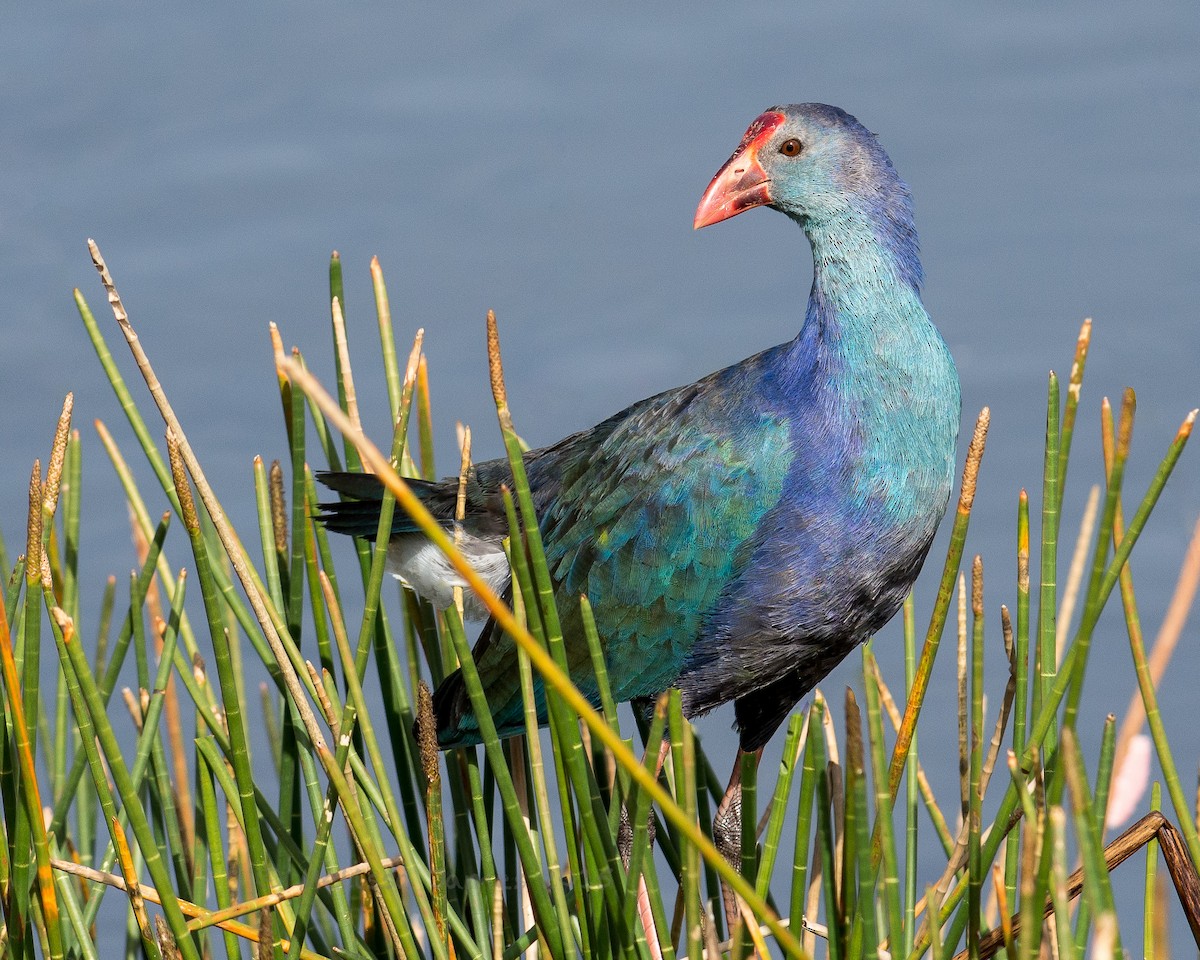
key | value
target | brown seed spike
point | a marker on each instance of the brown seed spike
(33, 544)
(427, 734)
(266, 935)
(495, 366)
(278, 509)
(854, 740)
(58, 453)
(966, 498)
(1006, 629)
(1125, 424)
(977, 586)
(183, 489)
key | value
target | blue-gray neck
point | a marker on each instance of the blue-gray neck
(876, 361)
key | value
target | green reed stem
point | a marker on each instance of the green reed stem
(883, 805)
(1107, 527)
(1058, 884)
(1097, 889)
(813, 768)
(129, 798)
(937, 622)
(793, 749)
(543, 909)
(912, 786)
(1045, 658)
(1150, 912)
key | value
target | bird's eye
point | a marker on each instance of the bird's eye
(791, 148)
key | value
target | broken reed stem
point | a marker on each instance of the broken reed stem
(267, 617)
(1087, 527)
(343, 358)
(223, 919)
(1152, 826)
(225, 532)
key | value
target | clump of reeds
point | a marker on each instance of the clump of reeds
(343, 832)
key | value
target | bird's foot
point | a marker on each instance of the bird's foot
(625, 835)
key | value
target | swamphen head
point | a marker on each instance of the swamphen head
(815, 163)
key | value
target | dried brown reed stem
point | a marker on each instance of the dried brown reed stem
(1079, 559)
(223, 919)
(132, 887)
(343, 359)
(1152, 826)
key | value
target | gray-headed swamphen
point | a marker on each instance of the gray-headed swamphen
(737, 536)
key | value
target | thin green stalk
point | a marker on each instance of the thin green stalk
(1097, 890)
(1116, 474)
(1150, 911)
(1047, 663)
(793, 748)
(27, 656)
(69, 498)
(140, 584)
(937, 621)
(387, 340)
(304, 905)
(72, 785)
(211, 830)
(685, 790)
(750, 817)
(68, 897)
(883, 805)
(1100, 802)
(1021, 664)
(804, 813)
(834, 919)
(543, 909)
(859, 874)
(1058, 884)
(231, 696)
(912, 787)
(31, 804)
